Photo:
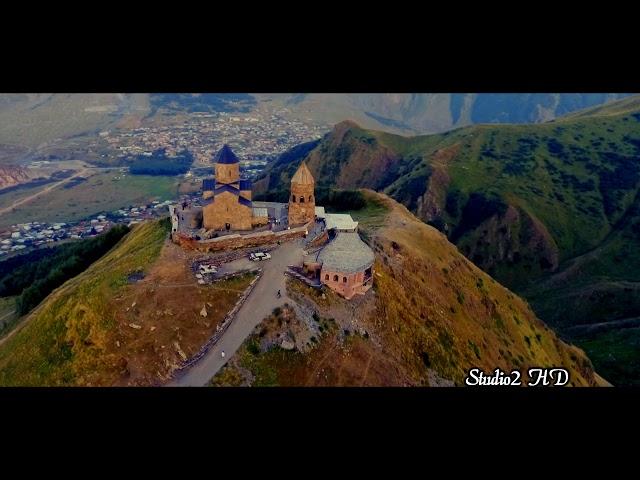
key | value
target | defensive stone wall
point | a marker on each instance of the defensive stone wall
(235, 241)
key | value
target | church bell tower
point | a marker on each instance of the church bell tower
(302, 201)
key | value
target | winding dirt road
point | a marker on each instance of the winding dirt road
(43, 191)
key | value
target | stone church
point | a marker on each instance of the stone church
(227, 198)
(228, 204)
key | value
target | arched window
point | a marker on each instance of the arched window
(326, 277)
(311, 198)
(301, 199)
(293, 198)
(344, 279)
(335, 278)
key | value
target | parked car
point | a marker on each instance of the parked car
(208, 269)
(259, 256)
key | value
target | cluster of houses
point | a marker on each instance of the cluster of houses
(36, 234)
(257, 135)
(25, 235)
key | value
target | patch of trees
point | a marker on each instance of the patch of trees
(557, 149)
(34, 275)
(340, 200)
(571, 181)
(409, 191)
(478, 208)
(439, 224)
(287, 159)
(633, 141)
(624, 176)
(517, 161)
(453, 203)
(392, 173)
(280, 196)
(332, 199)
(489, 152)
(550, 166)
(160, 164)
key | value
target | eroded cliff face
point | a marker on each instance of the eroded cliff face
(13, 175)
(515, 240)
(432, 203)
(351, 158)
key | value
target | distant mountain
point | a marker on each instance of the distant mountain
(33, 120)
(551, 210)
(435, 112)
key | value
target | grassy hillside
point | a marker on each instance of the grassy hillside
(432, 317)
(107, 326)
(550, 210)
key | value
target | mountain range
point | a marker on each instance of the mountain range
(32, 120)
(435, 112)
(551, 210)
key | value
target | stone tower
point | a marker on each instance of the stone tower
(227, 167)
(302, 202)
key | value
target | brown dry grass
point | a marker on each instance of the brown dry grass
(97, 329)
(431, 315)
(167, 307)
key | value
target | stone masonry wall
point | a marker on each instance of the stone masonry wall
(230, 242)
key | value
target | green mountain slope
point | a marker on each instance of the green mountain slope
(541, 207)
(416, 113)
(132, 318)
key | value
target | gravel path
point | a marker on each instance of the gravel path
(259, 305)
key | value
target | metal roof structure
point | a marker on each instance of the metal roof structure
(208, 184)
(346, 253)
(260, 212)
(275, 209)
(226, 188)
(341, 222)
(245, 184)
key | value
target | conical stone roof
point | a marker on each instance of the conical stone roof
(303, 175)
(225, 155)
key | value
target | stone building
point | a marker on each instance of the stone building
(228, 197)
(302, 201)
(345, 264)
